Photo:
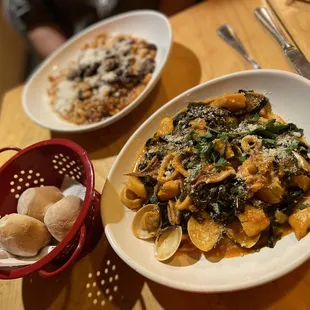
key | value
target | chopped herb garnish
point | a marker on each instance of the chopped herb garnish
(269, 143)
(254, 118)
(241, 158)
(213, 130)
(292, 146)
(213, 157)
(191, 135)
(195, 171)
(232, 125)
(182, 196)
(223, 150)
(270, 129)
(204, 147)
(303, 206)
(239, 192)
(221, 163)
(223, 138)
(208, 135)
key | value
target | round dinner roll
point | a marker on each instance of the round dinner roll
(35, 201)
(23, 235)
(60, 216)
(4, 254)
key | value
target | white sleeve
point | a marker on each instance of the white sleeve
(104, 7)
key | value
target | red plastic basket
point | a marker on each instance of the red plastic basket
(42, 164)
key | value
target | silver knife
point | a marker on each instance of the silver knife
(295, 56)
(228, 34)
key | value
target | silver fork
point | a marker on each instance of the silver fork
(227, 33)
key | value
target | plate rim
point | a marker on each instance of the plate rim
(127, 109)
(281, 271)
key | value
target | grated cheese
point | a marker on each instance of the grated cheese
(246, 126)
(66, 93)
(103, 91)
(91, 56)
(285, 139)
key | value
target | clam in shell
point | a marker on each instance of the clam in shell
(205, 235)
(146, 222)
(168, 242)
(236, 233)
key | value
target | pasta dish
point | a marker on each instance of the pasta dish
(225, 176)
(108, 74)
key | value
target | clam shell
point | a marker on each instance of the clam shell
(205, 235)
(146, 222)
(236, 233)
(168, 242)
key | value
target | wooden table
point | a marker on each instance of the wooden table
(101, 280)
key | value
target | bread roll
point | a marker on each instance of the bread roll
(23, 235)
(35, 201)
(60, 216)
(4, 254)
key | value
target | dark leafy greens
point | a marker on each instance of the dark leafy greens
(226, 199)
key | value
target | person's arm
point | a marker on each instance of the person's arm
(45, 39)
(33, 20)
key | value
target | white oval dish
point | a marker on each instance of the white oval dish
(147, 24)
(289, 93)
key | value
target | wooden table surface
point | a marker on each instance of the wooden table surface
(101, 280)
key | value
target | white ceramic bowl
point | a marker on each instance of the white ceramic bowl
(147, 24)
(289, 95)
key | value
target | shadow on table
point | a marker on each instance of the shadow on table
(101, 280)
(116, 283)
(258, 298)
(39, 293)
(182, 72)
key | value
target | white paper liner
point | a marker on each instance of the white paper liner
(72, 187)
(68, 187)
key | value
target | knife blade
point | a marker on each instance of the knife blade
(298, 60)
(294, 55)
